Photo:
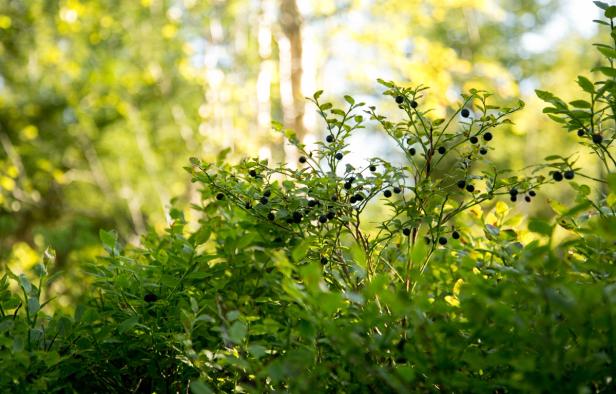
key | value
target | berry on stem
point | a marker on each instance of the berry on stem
(387, 193)
(488, 136)
(331, 215)
(442, 241)
(372, 168)
(323, 219)
(267, 193)
(473, 139)
(248, 205)
(324, 260)
(339, 156)
(397, 190)
(406, 231)
(329, 138)
(569, 174)
(412, 151)
(399, 99)
(441, 150)
(465, 113)
(348, 185)
(532, 193)
(302, 159)
(597, 138)
(414, 104)
(557, 175)
(461, 183)
(527, 198)
(455, 235)
(483, 151)
(220, 196)
(271, 216)
(580, 133)
(470, 188)
(252, 173)
(264, 200)
(514, 198)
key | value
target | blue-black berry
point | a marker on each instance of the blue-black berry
(271, 216)
(414, 104)
(312, 203)
(442, 241)
(441, 150)
(331, 215)
(397, 190)
(150, 297)
(487, 136)
(220, 196)
(359, 197)
(514, 198)
(267, 193)
(557, 175)
(329, 138)
(406, 231)
(399, 99)
(302, 159)
(580, 132)
(252, 173)
(297, 217)
(372, 168)
(323, 219)
(387, 193)
(532, 193)
(455, 235)
(513, 191)
(569, 174)
(473, 139)
(483, 151)
(412, 151)
(352, 200)
(339, 156)
(248, 205)
(324, 260)
(264, 200)
(465, 113)
(461, 183)
(527, 198)
(470, 188)
(348, 185)
(597, 138)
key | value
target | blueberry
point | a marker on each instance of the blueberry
(569, 174)
(252, 173)
(359, 197)
(329, 138)
(461, 183)
(331, 215)
(267, 193)
(442, 241)
(557, 175)
(220, 196)
(352, 200)
(414, 104)
(312, 203)
(474, 140)
(483, 151)
(373, 168)
(397, 190)
(323, 260)
(513, 191)
(514, 198)
(297, 217)
(323, 219)
(339, 156)
(248, 205)
(470, 188)
(580, 132)
(270, 216)
(302, 159)
(264, 200)
(532, 193)
(387, 193)
(527, 198)
(465, 113)
(412, 151)
(334, 198)
(150, 297)
(406, 231)
(441, 150)
(597, 138)
(487, 136)
(348, 185)
(455, 235)
(399, 99)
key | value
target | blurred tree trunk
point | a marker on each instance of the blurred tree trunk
(290, 47)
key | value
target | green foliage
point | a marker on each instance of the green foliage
(281, 285)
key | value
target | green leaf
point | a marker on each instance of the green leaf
(198, 387)
(602, 5)
(610, 12)
(25, 283)
(326, 106)
(608, 52)
(610, 72)
(33, 305)
(317, 94)
(585, 84)
(580, 103)
(128, 324)
(540, 226)
(349, 99)
(611, 181)
(237, 331)
(109, 240)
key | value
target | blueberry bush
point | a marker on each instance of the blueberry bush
(287, 283)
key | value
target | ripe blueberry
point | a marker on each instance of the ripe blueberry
(532, 193)
(487, 136)
(514, 198)
(569, 174)
(352, 200)
(339, 156)
(461, 183)
(397, 190)
(270, 216)
(557, 175)
(334, 198)
(252, 173)
(441, 150)
(297, 217)
(455, 235)
(474, 140)
(465, 113)
(348, 185)
(323, 219)
(220, 196)
(470, 188)
(267, 193)
(412, 151)
(359, 197)
(597, 138)
(527, 198)
(312, 203)
(331, 215)
(513, 191)
(302, 159)
(483, 151)
(406, 231)
(150, 297)
(580, 132)
(399, 99)
(373, 168)
(329, 138)
(263, 200)
(323, 260)
(442, 241)
(387, 193)
(414, 104)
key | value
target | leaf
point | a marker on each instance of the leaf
(610, 12)
(610, 72)
(580, 103)
(33, 305)
(540, 226)
(602, 5)
(317, 94)
(326, 106)
(585, 84)
(109, 240)
(198, 387)
(608, 52)
(611, 181)
(237, 331)
(25, 283)
(299, 252)
(128, 324)
(349, 99)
